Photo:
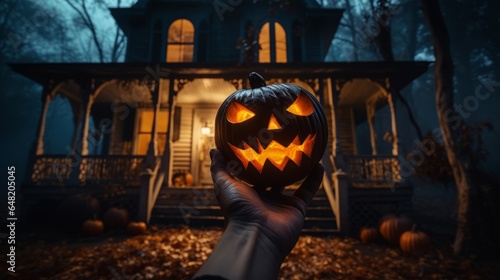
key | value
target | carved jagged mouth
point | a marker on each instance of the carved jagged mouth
(275, 153)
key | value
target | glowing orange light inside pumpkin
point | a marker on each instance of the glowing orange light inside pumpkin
(276, 153)
(273, 123)
(302, 106)
(237, 113)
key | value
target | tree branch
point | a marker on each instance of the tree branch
(87, 21)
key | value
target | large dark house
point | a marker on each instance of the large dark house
(139, 123)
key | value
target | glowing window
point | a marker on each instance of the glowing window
(272, 41)
(180, 43)
(144, 131)
(265, 47)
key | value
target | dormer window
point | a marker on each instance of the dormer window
(180, 43)
(272, 40)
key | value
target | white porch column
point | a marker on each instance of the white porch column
(87, 94)
(149, 173)
(166, 161)
(88, 100)
(336, 146)
(46, 99)
(370, 113)
(395, 141)
(153, 142)
(153, 176)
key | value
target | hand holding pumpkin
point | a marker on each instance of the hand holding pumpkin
(273, 136)
(262, 226)
(279, 216)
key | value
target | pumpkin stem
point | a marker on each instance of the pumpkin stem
(256, 80)
(414, 228)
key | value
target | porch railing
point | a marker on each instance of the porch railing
(52, 169)
(373, 170)
(60, 170)
(111, 169)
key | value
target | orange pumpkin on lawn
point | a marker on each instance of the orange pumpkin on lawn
(414, 242)
(369, 235)
(93, 227)
(392, 227)
(136, 228)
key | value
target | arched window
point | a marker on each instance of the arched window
(272, 40)
(180, 44)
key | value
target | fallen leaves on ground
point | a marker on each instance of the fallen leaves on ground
(177, 253)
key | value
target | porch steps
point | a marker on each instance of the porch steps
(345, 121)
(199, 208)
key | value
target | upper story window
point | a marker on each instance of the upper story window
(180, 43)
(272, 40)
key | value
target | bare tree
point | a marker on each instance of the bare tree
(458, 159)
(351, 21)
(98, 40)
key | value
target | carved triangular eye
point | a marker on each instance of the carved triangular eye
(237, 113)
(302, 106)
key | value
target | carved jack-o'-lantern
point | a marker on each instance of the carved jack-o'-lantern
(271, 136)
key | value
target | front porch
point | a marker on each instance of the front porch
(181, 100)
(360, 196)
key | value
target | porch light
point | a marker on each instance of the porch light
(205, 130)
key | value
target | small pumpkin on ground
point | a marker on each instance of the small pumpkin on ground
(136, 228)
(93, 227)
(392, 227)
(189, 179)
(414, 242)
(182, 178)
(369, 235)
(115, 218)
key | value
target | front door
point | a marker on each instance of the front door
(203, 141)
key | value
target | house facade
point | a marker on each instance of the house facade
(141, 122)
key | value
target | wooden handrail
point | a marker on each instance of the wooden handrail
(327, 186)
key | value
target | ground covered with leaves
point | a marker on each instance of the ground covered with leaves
(177, 253)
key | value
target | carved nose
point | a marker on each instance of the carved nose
(273, 123)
